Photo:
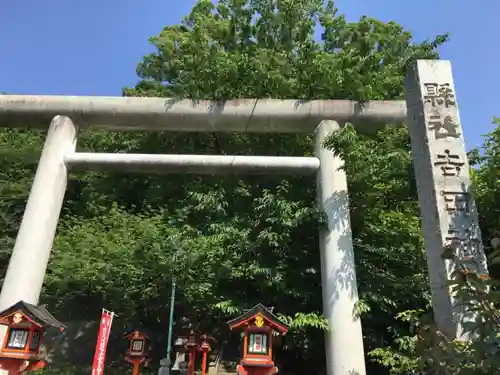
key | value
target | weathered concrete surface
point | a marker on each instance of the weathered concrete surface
(344, 340)
(193, 164)
(28, 262)
(163, 114)
(449, 216)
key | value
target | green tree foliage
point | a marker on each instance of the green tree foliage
(425, 350)
(234, 241)
(392, 269)
(19, 153)
(487, 188)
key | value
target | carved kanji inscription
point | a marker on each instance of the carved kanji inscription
(443, 127)
(444, 185)
(456, 201)
(451, 164)
(439, 95)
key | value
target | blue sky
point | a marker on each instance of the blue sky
(92, 47)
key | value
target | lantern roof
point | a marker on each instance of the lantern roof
(38, 315)
(135, 334)
(266, 316)
(208, 338)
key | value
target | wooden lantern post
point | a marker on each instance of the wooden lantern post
(192, 347)
(26, 325)
(205, 348)
(258, 324)
(137, 352)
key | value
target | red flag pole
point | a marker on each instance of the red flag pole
(102, 342)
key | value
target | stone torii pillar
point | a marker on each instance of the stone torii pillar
(29, 259)
(344, 341)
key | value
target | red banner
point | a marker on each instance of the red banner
(102, 342)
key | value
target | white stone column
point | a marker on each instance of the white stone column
(449, 216)
(344, 341)
(30, 256)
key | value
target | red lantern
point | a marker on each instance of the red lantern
(258, 324)
(137, 351)
(205, 348)
(191, 346)
(24, 326)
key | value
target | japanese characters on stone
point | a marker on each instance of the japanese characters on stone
(439, 95)
(444, 132)
(450, 164)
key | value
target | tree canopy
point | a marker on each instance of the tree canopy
(230, 241)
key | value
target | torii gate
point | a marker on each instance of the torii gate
(440, 161)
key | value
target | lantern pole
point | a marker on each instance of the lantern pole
(166, 362)
(135, 369)
(171, 319)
